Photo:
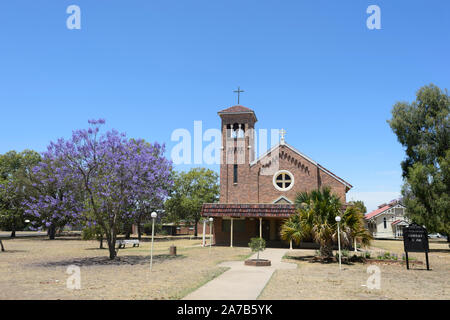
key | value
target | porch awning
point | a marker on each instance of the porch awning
(247, 210)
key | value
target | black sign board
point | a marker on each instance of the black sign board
(415, 239)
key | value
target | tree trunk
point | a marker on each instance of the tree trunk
(101, 241)
(1, 244)
(195, 228)
(139, 228)
(13, 229)
(112, 248)
(52, 232)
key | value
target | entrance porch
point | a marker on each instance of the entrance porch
(238, 231)
(236, 224)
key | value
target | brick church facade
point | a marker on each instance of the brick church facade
(257, 194)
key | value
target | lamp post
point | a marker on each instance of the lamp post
(153, 215)
(210, 232)
(204, 233)
(338, 219)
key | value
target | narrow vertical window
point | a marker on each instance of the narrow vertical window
(229, 131)
(235, 173)
(384, 222)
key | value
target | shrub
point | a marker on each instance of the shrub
(91, 233)
(148, 228)
(257, 245)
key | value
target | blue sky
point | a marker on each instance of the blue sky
(150, 67)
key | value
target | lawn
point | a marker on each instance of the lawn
(36, 269)
(325, 281)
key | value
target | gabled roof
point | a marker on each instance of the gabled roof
(348, 185)
(392, 204)
(376, 212)
(282, 198)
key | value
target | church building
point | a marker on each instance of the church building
(257, 194)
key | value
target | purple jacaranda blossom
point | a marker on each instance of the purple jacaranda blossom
(101, 179)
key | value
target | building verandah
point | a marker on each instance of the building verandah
(236, 224)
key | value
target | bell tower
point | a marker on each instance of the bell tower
(238, 150)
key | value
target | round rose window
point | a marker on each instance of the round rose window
(283, 180)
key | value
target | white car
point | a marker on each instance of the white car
(435, 235)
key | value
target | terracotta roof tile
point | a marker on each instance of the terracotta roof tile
(237, 108)
(376, 212)
(247, 210)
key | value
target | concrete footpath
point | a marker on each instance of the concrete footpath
(242, 282)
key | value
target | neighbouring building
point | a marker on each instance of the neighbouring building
(388, 221)
(257, 194)
(181, 228)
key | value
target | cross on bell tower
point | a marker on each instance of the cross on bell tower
(238, 91)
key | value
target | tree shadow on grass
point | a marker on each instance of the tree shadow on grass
(316, 259)
(73, 238)
(105, 261)
(13, 251)
(440, 250)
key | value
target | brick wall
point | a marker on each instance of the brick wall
(254, 187)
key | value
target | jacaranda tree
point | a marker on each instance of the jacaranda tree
(57, 199)
(113, 173)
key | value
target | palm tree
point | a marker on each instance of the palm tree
(317, 211)
(353, 224)
(316, 219)
(292, 230)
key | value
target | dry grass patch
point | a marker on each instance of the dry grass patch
(36, 269)
(325, 281)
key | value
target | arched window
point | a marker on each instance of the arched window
(384, 222)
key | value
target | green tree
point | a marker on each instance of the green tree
(353, 224)
(15, 186)
(292, 230)
(423, 128)
(190, 190)
(359, 204)
(257, 245)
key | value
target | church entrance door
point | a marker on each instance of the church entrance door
(266, 230)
